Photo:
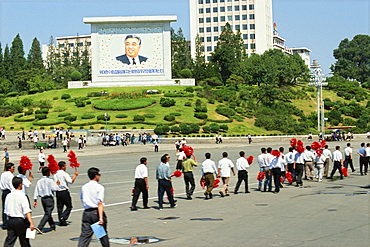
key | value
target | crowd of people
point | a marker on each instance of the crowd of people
(275, 167)
(115, 139)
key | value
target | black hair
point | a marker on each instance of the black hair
(130, 36)
(164, 158)
(92, 172)
(263, 150)
(61, 164)
(241, 153)
(269, 149)
(142, 160)
(208, 155)
(281, 149)
(224, 154)
(20, 170)
(16, 181)
(8, 166)
(45, 171)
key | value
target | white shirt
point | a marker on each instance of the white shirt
(269, 158)
(277, 162)
(242, 164)
(6, 181)
(298, 158)
(308, 156)
(327, 153)
(16, 204)
(225, 166)
(262, 160)
(25, 183)
(320, 160)
(181, 155)
(42, 157)
(35, 139)
(209, 166)
(367, 150)
(337, 155)
(347, 151)
(65, 142)
(92, 194)
(64, 179)
(45, 187)
(141, 171)
(289, 157)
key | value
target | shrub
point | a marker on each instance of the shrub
(26, 102)
(186, 73)
(224, 127)
(175, 129)
(189, 89)
(55, 98)
(149, 115)
(225, 111)
(121, 115)
(44, 110)
(70, 118)
(169, 118)
(200, 109)
(200, 115)
(76, 76)
(65, 96)
(102, 127)
(206, 129)
(139, 118)
(167, 102)
(80, 102)
(33, 90)
(91, 127)
(123, 127)
(12, 94)
(51, 127)
(123, 104)
(102, 117)
(81, 127)
(175, 113)
(64, 114)
(41, 116)
(188, 103)
(87, 116)
(59, 109)
(29, 112)
(114, 127)
(214, 127)
(159, 130)
(88, 102)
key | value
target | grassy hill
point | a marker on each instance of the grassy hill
(240, 125)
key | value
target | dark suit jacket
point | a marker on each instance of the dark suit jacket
(124, 59)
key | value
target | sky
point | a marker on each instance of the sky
(319, 25)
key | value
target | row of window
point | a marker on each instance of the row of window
(223, 18)
(215, 38)
(229, 8)
(237, 27)
(73, 44)
(218, 1)
(209, 48)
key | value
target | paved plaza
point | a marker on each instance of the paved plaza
(331, 213)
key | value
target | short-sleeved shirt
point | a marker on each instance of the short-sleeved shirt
(16, 204)
(25, 183)
(92, 193)
(64, 179)
(347, 151)
(209, 166)
(6, 181)
(141, 171)
(242, 164)
(337, 155)
(225, 166)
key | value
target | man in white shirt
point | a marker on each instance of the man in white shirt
(263, 167)
(141, 184)
(299, 168)
(6, 186)
(308, 157)
(224, 167)
(45, 188)
(62, 194)
(17, 208)
(319, 160)
(367, 150)
(348, 158)
(180, 156)
(289, 159)
(275, 168)
(41, 158)
(338, 162)
(242, 166)
(92, 197)
(26, 182)
(268, 158)
(327, 154)
(208, 171)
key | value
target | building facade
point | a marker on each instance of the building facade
(253, 18)
(304, 52)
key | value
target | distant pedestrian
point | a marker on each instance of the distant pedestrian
(209, 171)
(6, 157)
(187, 169)
(249, 138)
(41, 158)
(348, 157)
(155, 143)
(225, 166)
(242, 165)
(338, 162)
(163, 175)
(141, 184)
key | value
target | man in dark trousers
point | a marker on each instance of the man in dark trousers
(141, 184)
(62, 194)
(17, 208)
(92, 196)
(163, 175)
(187, 169)
(6, 187)
(242, 166)
(45, 188)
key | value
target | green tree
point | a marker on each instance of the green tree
(76, 53)
(6, 62)
(2, 72)
(51, 57)
(34, 59)
(199, 61)
(17, 60)
(180, 53)
(65, 54)
(229, 53)
(85, 68)
(353, 58)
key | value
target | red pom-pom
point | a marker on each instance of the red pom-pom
(203, 182)
(25, 163)
(315, 145)
(216, 182)
(73, 159)
(323, 143)
(300, 149)
(293, 142)
(53, 164)
(261, 176)
(275, 153)
(319, 152)
(250, 159)
(289, 177)
(133, 191)
(187, 150)
(281, 180)
(177, 174)
(300, 143)
(345, 172)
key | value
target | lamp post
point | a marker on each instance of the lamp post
(318, 81)
(106, 122)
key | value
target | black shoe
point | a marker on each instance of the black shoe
(353, 170)
(146, 207)
(264, 189)
(222, 194)
(133, 208)
(235, 192)
(205, 193)
(210, 196)
(297, 185)
(269, 190)
(281, 186)
(247, 191)
(189, 198)
(174, 206)
(62, 222)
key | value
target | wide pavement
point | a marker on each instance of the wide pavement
(331, 213)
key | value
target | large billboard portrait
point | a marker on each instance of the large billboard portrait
(130, 51)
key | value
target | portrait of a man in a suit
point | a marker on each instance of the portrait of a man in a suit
(132, 48)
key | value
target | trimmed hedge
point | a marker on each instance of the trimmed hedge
(65, 96)
(149, 115)
(64, 114)
(200, 115)
(87, 116)
(121, 115)
(123, 104)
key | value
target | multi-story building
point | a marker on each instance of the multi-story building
(253, 18)
(304, 52)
